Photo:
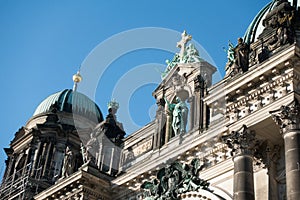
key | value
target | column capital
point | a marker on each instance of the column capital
(242, 141)
(287, 117)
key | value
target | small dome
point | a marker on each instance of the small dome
(256, 27)
(72, 102)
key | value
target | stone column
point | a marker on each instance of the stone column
(111, 157)
(48, 158)
(288, 118)
(242, 143)
(100, 155)
(37, 152)
(29, 158)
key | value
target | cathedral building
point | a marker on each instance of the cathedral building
(236, 139)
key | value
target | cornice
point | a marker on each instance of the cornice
(191, 145)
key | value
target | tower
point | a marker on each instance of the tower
(47, 148)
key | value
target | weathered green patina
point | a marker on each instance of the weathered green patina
(187, 54)
(175, 179)
(180, 114)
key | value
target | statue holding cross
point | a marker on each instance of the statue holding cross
(182, 43)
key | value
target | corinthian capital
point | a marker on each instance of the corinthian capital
(241, 142)
(287, 117)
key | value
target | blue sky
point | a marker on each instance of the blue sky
(43, 43)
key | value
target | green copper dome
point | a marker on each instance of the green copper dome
(72, 102)
(256, 27)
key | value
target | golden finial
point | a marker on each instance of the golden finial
(76, 78)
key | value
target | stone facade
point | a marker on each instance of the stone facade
(241, 139)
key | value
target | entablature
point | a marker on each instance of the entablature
(194, 144)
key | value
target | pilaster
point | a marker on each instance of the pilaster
(200, 88)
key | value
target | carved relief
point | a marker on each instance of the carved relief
(240, 142)
(281, 21)
(278, 31)
(287, 117)
(180, 86)
(142, 148)
(175, 179)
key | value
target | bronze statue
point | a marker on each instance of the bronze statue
(241, 52)
(180, 114)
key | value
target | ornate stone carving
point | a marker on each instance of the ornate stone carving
(260, 94)
(180, 86)
(178, 82)
(278, 31)
(287, 117)
(142, 148)
(281, 21)
(241, 142)
(173, 180)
